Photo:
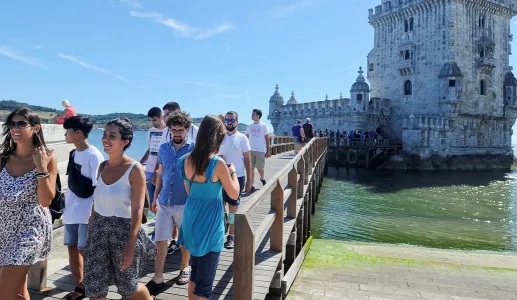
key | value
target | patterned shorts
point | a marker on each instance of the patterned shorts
(107, 238)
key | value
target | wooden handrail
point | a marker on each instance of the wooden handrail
(247, 238)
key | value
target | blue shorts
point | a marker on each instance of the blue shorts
(203, 273)
(241, 188)
(150, 186)
(75, 235)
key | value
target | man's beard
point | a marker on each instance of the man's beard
(178, 140)
(230, 127)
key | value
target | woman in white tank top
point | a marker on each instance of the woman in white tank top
(117, 249)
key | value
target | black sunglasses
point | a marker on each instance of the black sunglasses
(20, 124)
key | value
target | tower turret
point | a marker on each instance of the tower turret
(360, 92)
(275, 102)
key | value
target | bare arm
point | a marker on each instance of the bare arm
(247, 165)
(159, 184)
(92, 215)
(268, 149)
(145, 157)
(230, 184)
(46, 187)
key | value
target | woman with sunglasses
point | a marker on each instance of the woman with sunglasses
(117, 249)
(27, 187)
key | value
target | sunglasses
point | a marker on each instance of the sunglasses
(20, 124)
(229, 120)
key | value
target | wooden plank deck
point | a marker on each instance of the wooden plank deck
(266, 262)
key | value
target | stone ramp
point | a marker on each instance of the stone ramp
(336, 270)
(60, 281)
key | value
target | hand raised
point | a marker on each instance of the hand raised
(42, 158)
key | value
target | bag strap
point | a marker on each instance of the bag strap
(70, 160)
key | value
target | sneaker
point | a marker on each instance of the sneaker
(263, 181)
(229, 242)
(172, 247)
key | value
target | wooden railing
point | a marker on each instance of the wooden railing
(281, 144)
(304, 174)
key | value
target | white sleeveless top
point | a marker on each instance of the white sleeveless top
(114, 200)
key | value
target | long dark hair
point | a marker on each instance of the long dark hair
(8, 145)
(125, 129)
(209, 138)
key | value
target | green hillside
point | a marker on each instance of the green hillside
(47, 114)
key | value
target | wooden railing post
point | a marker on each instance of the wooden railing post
(306, 167)
(277, 229)
(292, 181)
(243, 258)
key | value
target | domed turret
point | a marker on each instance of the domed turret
(277, 98)
(292, 100)
(360, 92)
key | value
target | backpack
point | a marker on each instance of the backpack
(57, 206)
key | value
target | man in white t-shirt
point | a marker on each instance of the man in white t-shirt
(174, 106)
(235, 150)
(156, 136)
(258, 135)
(82, 171)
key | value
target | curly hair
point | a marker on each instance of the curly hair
(178, 118)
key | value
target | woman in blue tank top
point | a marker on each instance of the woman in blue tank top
(202, 231)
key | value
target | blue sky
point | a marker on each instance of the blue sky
(210, 56)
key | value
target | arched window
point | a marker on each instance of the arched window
(408, 88)
(482, 53)
(406, 26)
(407, 54)
(482, 87)
(482, 22)
(410, 24)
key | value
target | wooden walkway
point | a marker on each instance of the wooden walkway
(266, 261)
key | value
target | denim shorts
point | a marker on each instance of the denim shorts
(241, 188)
(75, 235)
(203, 273)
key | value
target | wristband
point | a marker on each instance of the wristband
(42, 175)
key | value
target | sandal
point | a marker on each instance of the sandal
(77, 290)
(183, 278)
(153, 286)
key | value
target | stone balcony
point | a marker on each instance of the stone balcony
(486, 64)
(407, 67)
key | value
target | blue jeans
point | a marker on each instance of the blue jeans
(150, 186)
(203, 273)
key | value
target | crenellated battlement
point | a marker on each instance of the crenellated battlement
(407, 7)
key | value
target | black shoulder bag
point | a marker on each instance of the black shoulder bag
(57, 206)
(81, 185)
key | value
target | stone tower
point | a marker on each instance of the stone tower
(445, 66)
(360, 92)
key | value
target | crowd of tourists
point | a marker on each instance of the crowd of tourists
(192, 180)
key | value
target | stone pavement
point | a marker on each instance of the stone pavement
(336, 270)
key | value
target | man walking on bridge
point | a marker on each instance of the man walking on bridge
(235, 150)
(258, 135)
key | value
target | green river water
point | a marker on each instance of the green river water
(451, 210)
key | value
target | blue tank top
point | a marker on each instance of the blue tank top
(202, 229)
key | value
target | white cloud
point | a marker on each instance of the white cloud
(4, 50)
(180, 28)
(92, 67)
(132, 3)
(283, 11)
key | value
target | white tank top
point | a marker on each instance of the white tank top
(114, 200)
